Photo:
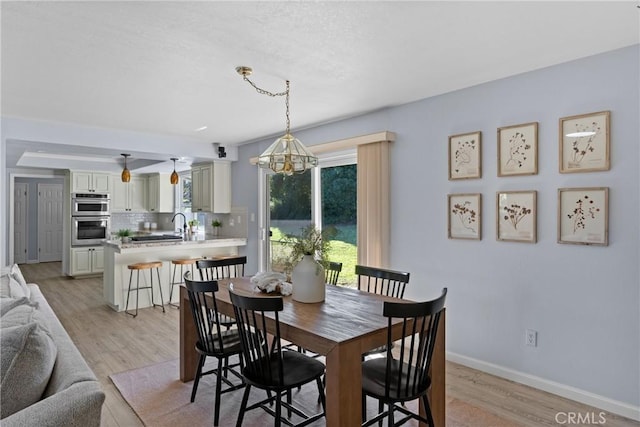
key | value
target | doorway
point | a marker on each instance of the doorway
(325, 196)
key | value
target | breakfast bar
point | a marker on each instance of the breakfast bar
(118, 255)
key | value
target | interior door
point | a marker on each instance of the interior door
(20, 198)
(50, 222)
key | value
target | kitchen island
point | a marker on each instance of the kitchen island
(118, 255)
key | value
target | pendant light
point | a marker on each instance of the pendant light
(287, 155)
(126, 175)
(174, 174)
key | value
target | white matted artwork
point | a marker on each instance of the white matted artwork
(584, 143)
(518, 149)
(516, 216)
(464, 216)
(465, 156)
(583, 216)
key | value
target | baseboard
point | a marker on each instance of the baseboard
(33, 261)
(582, 396)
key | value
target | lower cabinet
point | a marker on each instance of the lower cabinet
(87, 260)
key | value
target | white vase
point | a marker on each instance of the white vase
(308, 280)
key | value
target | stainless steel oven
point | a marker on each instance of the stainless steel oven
(90, 230)
(90, 204)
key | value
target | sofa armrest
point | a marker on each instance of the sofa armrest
(78, 405)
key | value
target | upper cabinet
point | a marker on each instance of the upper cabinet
(161, 193)
(90, 182)
(211, 187)
(129, 196)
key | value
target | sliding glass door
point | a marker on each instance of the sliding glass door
(325, 196)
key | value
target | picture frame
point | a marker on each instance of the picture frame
(518, 149)
(584, 142)
(465, 156)
(464, 216)
(583, 216)
(516, 216)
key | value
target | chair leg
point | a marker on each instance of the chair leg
(197, 378)
(364, 407)
(427, 410)
(381, 409)
(321, 396)
(126, 307)
(289, 402)
(278, 409)
(391, 422)
(216, 415)
(243, 405)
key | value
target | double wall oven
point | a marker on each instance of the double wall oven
(90, 218)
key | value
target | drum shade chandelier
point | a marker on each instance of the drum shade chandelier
(174, 175)
(125, 175)
(287, 155)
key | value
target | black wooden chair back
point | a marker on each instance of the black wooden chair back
(202, 300)
(382, 281)
(221, 268)
(406, 376)
(332, 272)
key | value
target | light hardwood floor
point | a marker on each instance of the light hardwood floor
(114, 342)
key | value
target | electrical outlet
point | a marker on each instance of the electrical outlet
(531, 338)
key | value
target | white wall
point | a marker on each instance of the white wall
(583, 301)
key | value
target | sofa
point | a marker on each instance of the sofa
(45, 380)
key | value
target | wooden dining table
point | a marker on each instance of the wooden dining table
(346, 324)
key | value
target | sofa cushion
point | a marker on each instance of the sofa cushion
(18, 277)
(7, 304)
(4, 286)
(22, 315)
(26, 362)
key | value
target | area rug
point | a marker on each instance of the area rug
(159, 398)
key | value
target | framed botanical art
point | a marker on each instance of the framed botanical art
(465, 156)
(584, 143)
(583, 216)
(516, 216)
(518, 149)
(464, 220)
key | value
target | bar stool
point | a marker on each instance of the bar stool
(181, 263)
(144, 266)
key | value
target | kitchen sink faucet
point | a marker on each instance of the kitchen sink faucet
(184, 223)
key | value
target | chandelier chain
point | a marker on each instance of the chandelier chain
(272, 94)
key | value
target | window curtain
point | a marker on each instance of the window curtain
(373, 204)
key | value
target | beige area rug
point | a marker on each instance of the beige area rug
(159, 398)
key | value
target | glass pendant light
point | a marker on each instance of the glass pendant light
(287, 155)
(174, 174)
(125, 175)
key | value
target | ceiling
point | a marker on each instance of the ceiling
(168, 68)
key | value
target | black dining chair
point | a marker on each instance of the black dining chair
(395, 380)
(268, 367)
(212, 340)
(222, 268)
(383, 282)
(331, 272)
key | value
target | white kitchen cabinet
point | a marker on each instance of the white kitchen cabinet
(129, 196)
(211, 187)
(87, 260)
(161, 193)
(90, 182)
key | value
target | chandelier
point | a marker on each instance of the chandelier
(174, 175)
(287, 155)
(125, 176)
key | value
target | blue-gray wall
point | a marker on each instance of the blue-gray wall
(583, 301)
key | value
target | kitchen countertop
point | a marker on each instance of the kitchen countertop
(191, 240)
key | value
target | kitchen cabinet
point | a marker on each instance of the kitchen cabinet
(90, 182)
(211, 187)
(129, 196)
(161, 193)
(87, 260)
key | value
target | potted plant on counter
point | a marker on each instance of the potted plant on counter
(125, 235)
(193, 225)
(216, 224)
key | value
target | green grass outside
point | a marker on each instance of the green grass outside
(343, 249)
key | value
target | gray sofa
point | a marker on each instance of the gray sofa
(72, 396)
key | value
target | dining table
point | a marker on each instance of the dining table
(345, 325)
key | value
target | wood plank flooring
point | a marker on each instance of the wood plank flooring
(114, 342)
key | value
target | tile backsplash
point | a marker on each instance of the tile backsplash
(234, 224)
